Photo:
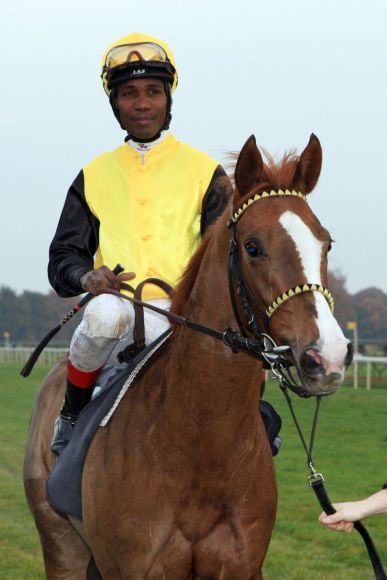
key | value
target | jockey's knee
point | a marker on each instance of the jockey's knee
(106, 321)
(107, 316)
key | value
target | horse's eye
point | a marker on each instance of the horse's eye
(252, 249)
(330, 245)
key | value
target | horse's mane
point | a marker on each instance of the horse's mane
(274, 176)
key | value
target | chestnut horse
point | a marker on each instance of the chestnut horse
(180, 484)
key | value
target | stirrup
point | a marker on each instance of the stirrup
(63, 432)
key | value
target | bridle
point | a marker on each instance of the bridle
(233, 265)
(242, 299)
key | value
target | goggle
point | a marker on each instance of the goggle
(126, 53)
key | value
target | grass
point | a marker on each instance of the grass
(20, 556)
(350, 450)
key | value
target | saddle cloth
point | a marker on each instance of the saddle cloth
(64, 485)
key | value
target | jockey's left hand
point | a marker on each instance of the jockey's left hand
(102, 280)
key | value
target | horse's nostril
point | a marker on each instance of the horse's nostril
(349, 355)
(311, 361)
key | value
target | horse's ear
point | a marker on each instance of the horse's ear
(249, 167)
(309, 166)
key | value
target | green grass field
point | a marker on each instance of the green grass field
(350, 450)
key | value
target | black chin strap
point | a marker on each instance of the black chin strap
(136, 140)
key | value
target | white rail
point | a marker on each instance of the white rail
(50, 355)
(371, 364)
(21, 354)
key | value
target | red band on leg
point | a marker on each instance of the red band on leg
(82, 379)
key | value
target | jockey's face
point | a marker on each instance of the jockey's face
(142, 106)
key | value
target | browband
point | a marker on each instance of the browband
(237, 214)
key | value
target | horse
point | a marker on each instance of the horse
(180, 484)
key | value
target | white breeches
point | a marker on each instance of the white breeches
(107, 328)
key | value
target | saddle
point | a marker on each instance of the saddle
(64, 485)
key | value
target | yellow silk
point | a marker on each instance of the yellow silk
(149, 208)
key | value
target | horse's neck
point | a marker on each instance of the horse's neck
(214, 385)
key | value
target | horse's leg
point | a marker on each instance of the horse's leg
(66, 555)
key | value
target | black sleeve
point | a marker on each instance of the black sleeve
(75, 242)
(215, 199)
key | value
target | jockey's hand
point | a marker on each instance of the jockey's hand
(102, 280)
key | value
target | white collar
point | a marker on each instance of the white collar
(145, 147)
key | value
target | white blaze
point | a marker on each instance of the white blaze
(332, 344)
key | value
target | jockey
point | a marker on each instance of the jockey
(145, 204)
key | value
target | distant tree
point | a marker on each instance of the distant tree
(371, 313)
(12, 315)
(29, 316)
(57, 308)
(344, 307)
(35, 316)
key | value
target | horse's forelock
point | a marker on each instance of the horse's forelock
(280, 175)
(275, 175)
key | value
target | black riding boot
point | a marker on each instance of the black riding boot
(272, 423)
(75, 399)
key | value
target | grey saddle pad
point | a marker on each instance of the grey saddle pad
(64, 485)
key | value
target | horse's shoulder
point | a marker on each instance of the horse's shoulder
(53, 384)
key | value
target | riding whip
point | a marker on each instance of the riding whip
(44, 342)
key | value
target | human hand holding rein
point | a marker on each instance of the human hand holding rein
(353, 511)
(102, 280)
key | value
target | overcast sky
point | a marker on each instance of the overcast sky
(278, 69)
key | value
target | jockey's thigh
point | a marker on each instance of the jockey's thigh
(155, 325)
(107, 319)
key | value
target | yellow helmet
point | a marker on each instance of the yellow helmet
(138, 56)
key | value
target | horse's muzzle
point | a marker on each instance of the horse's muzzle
(320, 375)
